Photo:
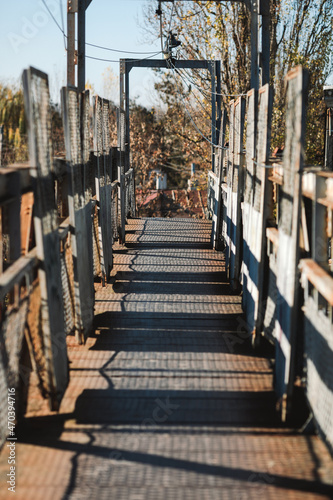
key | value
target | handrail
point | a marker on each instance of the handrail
(115, 185)
(272, 234)
(319, 278)
(129, 172)
(17, 271)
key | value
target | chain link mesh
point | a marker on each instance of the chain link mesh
(67, 280)
(96, 249)
(210, 195)
(115, 216)
(12, 333)
(319, 367)
(129, 194)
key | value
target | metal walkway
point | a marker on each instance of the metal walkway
(167, 400)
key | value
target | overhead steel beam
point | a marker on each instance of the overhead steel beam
(126, 65)
(163, 63)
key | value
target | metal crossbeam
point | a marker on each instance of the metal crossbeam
(126, 65)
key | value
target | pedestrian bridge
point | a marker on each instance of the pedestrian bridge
(167, 399)
(166, 358)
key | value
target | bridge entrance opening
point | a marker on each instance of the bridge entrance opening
(160, 201)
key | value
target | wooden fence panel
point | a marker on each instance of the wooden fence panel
(80, 215)
(236, 195)
(101, 181)
(37, 107)
(249, 266)
(217, 208)
(230, 170)
(289, 228)
(263, 201)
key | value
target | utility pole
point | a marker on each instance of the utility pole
(78, 57)
(71, 60)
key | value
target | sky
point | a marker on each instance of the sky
(30, 37)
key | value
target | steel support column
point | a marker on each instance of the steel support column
(81, 46)
(71, 42)
(214, 67)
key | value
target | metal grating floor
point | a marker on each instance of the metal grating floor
(167, 400)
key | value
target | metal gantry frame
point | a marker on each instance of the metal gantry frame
(126, 65)
(259, 60)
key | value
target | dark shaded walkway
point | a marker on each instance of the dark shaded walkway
(167, 400)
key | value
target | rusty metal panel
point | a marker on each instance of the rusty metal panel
(37, 107)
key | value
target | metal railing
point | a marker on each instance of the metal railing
(47, 292)
(276, 229)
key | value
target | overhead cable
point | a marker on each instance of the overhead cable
(117, 61)
(190, 116)
(62, 23)
(62, 30)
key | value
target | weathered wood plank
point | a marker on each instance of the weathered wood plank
(249, 281)
(320, 279)
(229, 186)
(237, 192)
(217, 216)
(289, 230)
(102, 148)
(17, 271)
(263, 201)
(37, 108)
(79, 214)
(107, 158)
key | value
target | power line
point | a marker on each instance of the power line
(117, 50)
(196, 98)
(62, 30)
(117, 61)
(52, 16)
(190, 116)
(62, 23)
(171, 16)
(203, 91)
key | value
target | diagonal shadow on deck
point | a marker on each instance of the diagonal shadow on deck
(168, 400)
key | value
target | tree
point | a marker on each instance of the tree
(12, 117)
(301, 33)
(13, 120)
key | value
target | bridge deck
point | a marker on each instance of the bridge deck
(167, 400)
